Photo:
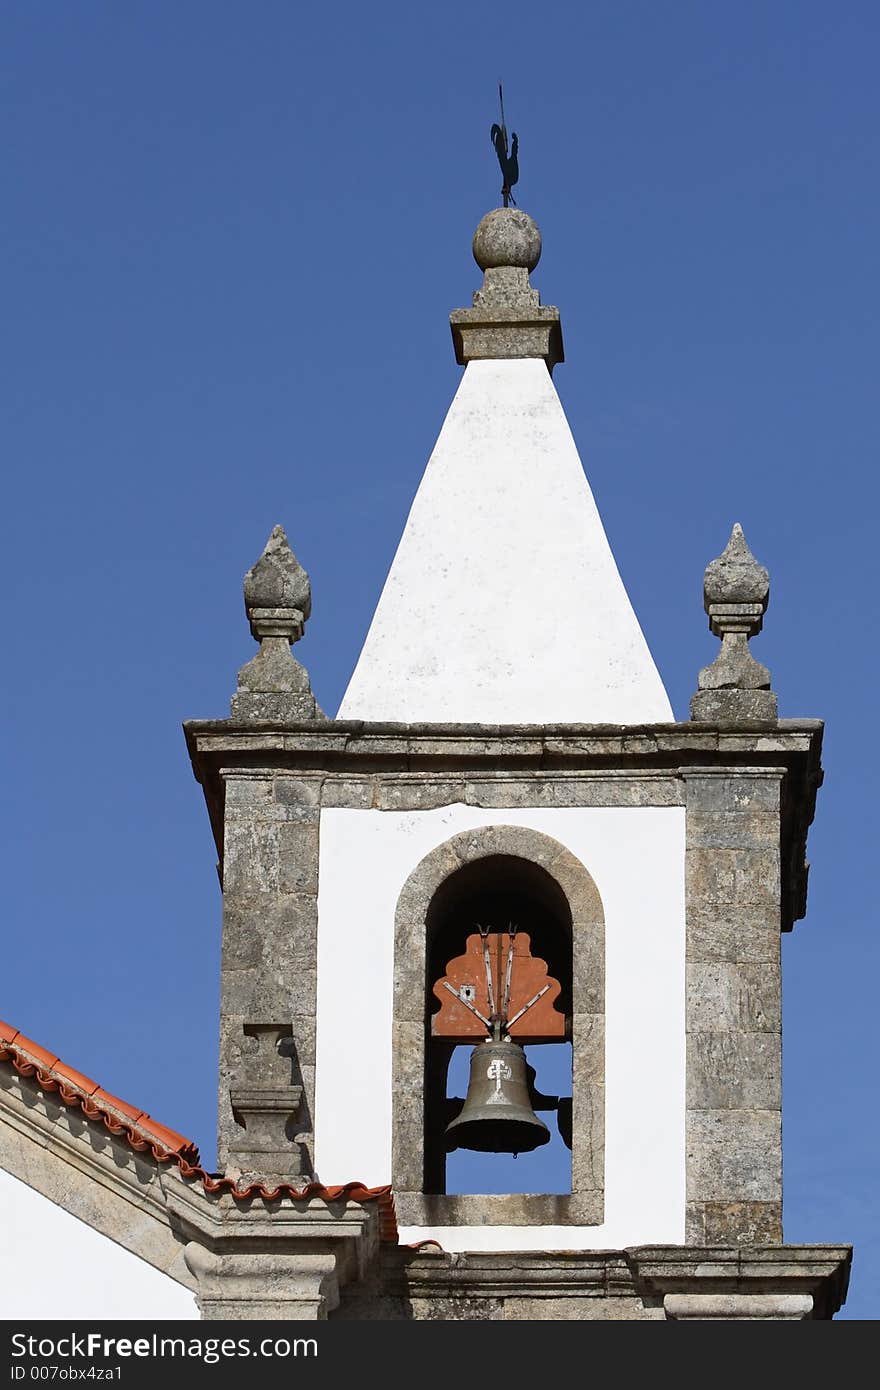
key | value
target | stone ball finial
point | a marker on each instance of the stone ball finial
(736, 576)
(278, 580)
(507, 237)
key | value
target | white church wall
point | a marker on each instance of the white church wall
(636, 857)
(52, 1265)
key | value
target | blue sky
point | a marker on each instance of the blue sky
(232, 235)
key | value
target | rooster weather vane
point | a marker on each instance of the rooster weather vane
(507, 158)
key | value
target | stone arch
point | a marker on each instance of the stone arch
(585, 1204)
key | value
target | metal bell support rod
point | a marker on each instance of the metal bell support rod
(497, 1115)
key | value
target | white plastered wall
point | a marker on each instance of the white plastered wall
(636, 858)
(54, 1266)
(504, 603)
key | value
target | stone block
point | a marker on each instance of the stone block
(418, 891)
(486, 840)
(270, 933)
(742, 1223)
(298, 844)
(247, 995)
(301, 793)
(736, 706)
(734, 1156)
(695, 1223)
(740, 876)
(731, 791)
(749, 1307)
(304, 1037)
(586, 1309)
(408, 1118)
(728, 932)
(349, 794)
(585, 789)
(418, 795)
(295, 980)
(461, 1309)
(734, 1071)
(248, 794)
(588, 1138)
(732, 830)
(723, 997)
(588, 967)
(250, 859)
(290, 924)
(588, 1046)
(242, 943)
(272, 707)
(409, 985)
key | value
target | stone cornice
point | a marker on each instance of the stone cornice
(339, 738)
(820, 1271)
(817, 1274)
(274, 1259)
(329, 749)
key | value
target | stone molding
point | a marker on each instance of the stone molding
(786, 1307)
(78, 1164)
(266, 1113)
(251, 1258)
(585, 1204)
(640, 1283)
(280, 1260)
(745, 1281)
(415, 767)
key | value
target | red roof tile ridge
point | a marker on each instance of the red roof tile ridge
(166, 1145)
(76, 1089)
(215, 1183)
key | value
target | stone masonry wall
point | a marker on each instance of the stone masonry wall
(734, 1041)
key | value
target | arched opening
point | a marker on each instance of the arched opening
(509, 919)
(536, 882)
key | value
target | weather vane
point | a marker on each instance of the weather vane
(508, 160)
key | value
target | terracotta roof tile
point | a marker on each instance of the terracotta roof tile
(76, 1079)
(29, 1058)
(36, 1054)
(111, 1102)
(141, 1133)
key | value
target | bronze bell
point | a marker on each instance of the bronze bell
(497, 1115)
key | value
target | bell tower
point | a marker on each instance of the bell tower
(505, 849)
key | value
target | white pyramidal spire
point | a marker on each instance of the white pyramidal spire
(503, 604)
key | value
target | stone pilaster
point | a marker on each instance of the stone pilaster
(732, 877)
(268, 966)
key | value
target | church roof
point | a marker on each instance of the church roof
(75, 1089)
(143, 1133)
